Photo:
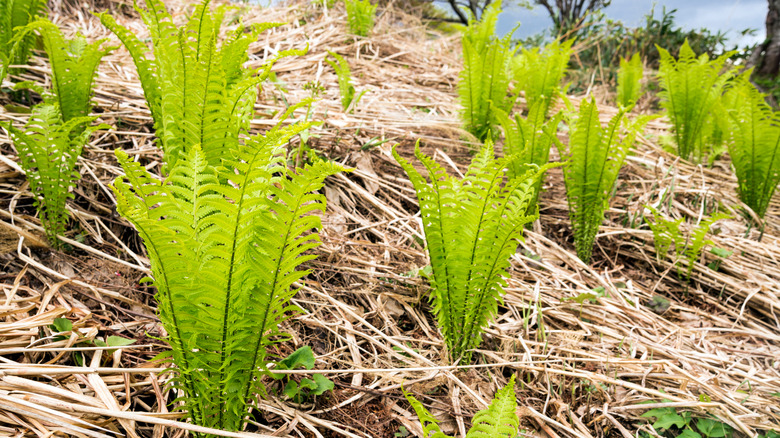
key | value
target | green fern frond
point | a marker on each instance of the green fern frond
(198, 92)
(48, 149)
(348, 98)
(499, 420)
(593, 160)
(539, 73)
(754, 144)
(472, 227)
(74, 65)
(691, 88)
(629, 88)
(15, 15)
(360, 17)
(484, 80)
(529, 140)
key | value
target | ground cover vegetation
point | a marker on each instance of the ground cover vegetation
(231, 232)
(15, 15)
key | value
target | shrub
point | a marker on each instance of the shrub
(225, 244)
(529, 140)
(691, 88)
(348, 98)
(48, 149)
(629, 87)
(198, 93)
(499, 420)
(539, 73)
(360, 17)
(484, 80)
(472, 227)
(593, 160)
(15, 14)
(754, 145)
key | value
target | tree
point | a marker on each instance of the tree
(464, 9)
(766, 56)
(568, 14)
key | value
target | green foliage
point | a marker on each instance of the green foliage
(472, 226)
(360, 17)
(629, 88)
(48, 149)
(691, 89)
(16, 14)
(74, 65)
(199, 93)
(754, 145)
(348, 98)
(687, 249)
(484, 80)
(539, 73)
(594, 158)
(306, 388)
(669, 423)
(499, 420)
(225, 244)
(529, 139)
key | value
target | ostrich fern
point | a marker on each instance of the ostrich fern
(347, 91)
(593, 160)
(539, 73)
(499, 420)
(629, 87)
(754, 145)
(691, 90)
(198, 92)
(472, 226)
(360, 16)
(484, 80)
(16, 14)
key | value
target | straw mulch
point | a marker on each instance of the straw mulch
(588, 367)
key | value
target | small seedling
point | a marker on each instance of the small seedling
(307, 388)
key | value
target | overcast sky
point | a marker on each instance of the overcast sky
(726, 15)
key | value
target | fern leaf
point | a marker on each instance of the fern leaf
(629, 89)
(360, 17)
(15, 15)
(347, 91)
(539, 73)
(429, 423)
(499, 420)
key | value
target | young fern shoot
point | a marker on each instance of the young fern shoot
(360, 17)
(529, 140)
(629, 81)
(691, 91)
(484, 80)
(198, 92)
(472, 226)
(16, 14)
(48, 149)
(348, 98)
(754, 145)
(539, 73)
(499, 420)
(593, 160)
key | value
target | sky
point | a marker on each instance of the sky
(730, 16)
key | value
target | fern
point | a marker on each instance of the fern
(499, 420)
(15, 14)
(687, 249)
(472, 227)
(539, 73)
(48, 149)
(74, 65)
(360, 17)
(484, 80)
(529, 139)
(348, 98)
(198, 92)
(629, 88)
(225, 244)
(691, 88)
(594, 158)
(754, 145)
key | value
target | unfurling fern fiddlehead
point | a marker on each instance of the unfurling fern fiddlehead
(193, 87)
(593, 160)
(499, 420)
(691, 89)
(754, 145)
(484, 80)
(48, 149)
(472, 226)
